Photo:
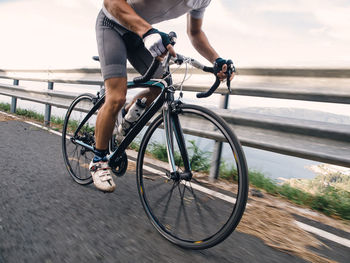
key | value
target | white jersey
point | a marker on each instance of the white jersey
(155, 11)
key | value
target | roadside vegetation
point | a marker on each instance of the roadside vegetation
(328, 194)
(56, 122)
(329, 200)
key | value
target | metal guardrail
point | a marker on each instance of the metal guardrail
(307, 139)
(319, 92)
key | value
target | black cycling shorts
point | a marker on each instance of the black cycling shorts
(115, 45)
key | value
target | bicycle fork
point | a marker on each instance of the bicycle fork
(172, 126)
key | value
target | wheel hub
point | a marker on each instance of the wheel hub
(177, 176)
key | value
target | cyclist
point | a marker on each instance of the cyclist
(124, 31)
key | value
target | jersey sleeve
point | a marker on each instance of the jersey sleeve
(198, 13)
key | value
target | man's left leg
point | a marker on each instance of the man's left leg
(105, 122)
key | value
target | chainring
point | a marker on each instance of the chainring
(121, 165)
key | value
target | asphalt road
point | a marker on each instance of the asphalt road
(46, 217)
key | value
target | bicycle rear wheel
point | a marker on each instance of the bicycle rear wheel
(76, 157)
(201, 212)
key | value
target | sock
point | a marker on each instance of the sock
(100, 155)
(124, 112)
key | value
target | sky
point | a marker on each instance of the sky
(52, 34)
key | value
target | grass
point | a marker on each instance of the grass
(330, 200)
(227, 172)
(21, 112)
(31, 114)
(5, 107)
(56, 123)
(199, 161)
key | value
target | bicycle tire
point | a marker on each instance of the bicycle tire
(76, 157)
(229, 203)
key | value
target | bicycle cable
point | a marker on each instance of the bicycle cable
(180, 83)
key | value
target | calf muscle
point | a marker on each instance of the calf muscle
(106, 117)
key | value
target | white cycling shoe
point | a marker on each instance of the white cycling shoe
(102, 176)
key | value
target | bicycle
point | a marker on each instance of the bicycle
(185, 205)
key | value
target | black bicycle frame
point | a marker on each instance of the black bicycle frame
(171, 125)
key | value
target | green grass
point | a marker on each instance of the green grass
(199, 160)
(25, 113)
(330, 200)
(55, 122)
(226, 171)
(134, 145)
(258, 180)
(31, 114)
(159, 152)
(5, 107)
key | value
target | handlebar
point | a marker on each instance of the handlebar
(155, 63)
(229, 71)
(179, 60)
(149, 73)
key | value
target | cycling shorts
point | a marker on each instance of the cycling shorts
(115, 45)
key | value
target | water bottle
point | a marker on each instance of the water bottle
(134, 113)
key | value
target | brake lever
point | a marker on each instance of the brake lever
(230, 70)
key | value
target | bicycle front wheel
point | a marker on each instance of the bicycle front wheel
(202, 211)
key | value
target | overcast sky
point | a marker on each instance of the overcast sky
(274, 33)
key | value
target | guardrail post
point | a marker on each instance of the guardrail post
(47, 116)
(14, 99)
(216, 156)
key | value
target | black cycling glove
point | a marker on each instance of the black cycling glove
(156, 42)
(219, 63)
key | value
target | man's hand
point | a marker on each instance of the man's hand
(220, 69)
(158, 43)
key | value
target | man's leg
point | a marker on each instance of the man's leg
(141, 59)
(112, 52)
(106, 117)
(150, 93)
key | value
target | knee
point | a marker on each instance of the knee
(115, 94)
(115, 104)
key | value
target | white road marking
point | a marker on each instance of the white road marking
(197, 187)
(308, 228)
(324, 234)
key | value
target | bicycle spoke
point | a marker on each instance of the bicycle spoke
(182, 208)
(74, 150)
(201, 216)
(76, 163)
(193, 212)
(168, 201)
(206, 207)
(157, 201)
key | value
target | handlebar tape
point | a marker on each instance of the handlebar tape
(210, 91)
(149, 73)
(208, 69)
(155, 63)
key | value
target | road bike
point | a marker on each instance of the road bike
(191, 171)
